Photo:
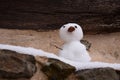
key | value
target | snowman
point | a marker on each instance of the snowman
(73, 49)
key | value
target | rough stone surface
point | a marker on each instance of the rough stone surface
(87, 44)
(98, 74)
(92, 15)
(57, 70)
(14, 65)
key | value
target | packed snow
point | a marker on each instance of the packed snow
(73, 49)
(77, 65)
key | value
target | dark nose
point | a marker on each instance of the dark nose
(71, 29)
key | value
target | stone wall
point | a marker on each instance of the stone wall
(16, 66)
(92, 15)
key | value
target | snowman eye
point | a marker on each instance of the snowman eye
(63, 26)
(75, 26)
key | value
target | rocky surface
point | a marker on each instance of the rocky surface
(57, 70)
(93, 15)
(87, 44)
(104, 47)
(98, 74)
(16, 66)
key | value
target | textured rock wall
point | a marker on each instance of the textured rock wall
(16, 66)
(93, 15)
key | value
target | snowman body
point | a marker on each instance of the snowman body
(73, 49)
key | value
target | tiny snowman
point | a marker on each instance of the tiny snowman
(73, 49)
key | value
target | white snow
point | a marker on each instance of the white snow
(73, 49)
(75, 35)
(77, 65)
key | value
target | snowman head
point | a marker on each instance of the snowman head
(71, 32)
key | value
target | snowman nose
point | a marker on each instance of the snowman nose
(71, 29)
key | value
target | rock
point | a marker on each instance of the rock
(57, 70)
(118, 72)
(86, 43)
(97, 74)
(14, 65)
(92, 15)
(16, 79)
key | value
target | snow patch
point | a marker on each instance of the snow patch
(77, 65)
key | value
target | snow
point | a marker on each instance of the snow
(73, 49)
(75, 35)
(77, 65)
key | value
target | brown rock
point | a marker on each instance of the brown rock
(15, 79)
(14, 65)
(86, 43)
(97, 74)
(92, 15)
(118, 72)
(57, 70)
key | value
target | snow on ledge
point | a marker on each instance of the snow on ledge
(77, 65)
